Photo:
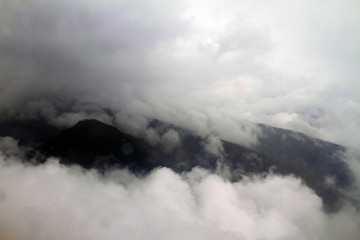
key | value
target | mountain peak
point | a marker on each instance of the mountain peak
(93, 127)
(91, 121)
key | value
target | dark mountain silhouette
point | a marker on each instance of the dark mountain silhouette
(93, 144)
(29, 131)
(313, 160)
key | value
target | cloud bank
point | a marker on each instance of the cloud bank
(210, 66)
(52, 201)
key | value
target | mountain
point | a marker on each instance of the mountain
(93, 144)
(29, 131)
(313, 160)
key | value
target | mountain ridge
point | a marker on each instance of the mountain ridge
(93, 144)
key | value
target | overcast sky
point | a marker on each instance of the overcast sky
(204, 65)
(215, 67)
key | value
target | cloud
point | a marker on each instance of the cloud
(212, 67)
(57, 202)
(170, 140)
(9, 147)
(213, 145)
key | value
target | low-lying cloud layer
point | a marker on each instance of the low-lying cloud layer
(52, 201)
(210, 66)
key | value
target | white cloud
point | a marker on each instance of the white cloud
(58, 202)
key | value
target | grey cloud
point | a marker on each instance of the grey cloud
(213, 145)
(170, 140)
(59, 55)
(9, 147)
(75, 51)
(210, 67)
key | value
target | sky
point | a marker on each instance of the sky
(214, 67)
